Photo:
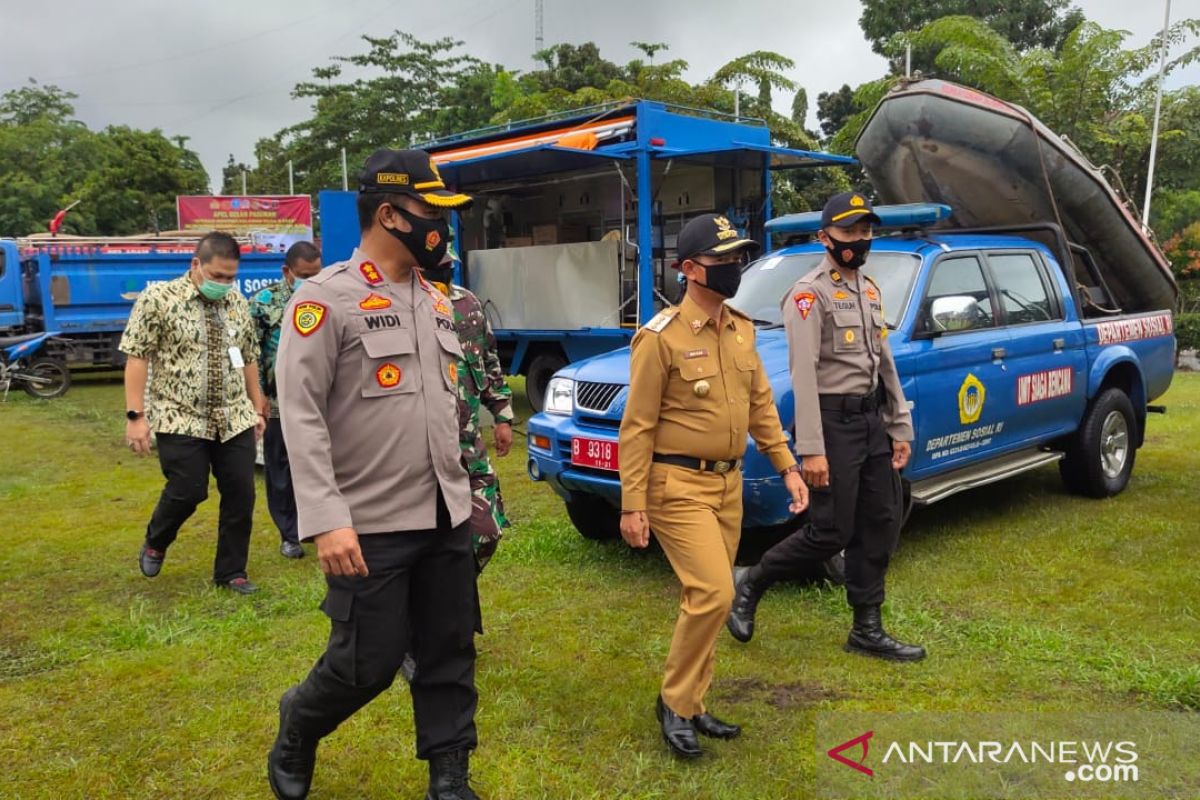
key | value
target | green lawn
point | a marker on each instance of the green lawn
(114, 686)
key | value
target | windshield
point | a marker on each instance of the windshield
(766, 281)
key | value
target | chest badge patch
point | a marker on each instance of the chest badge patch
(804, 303)
(441, 306)
(849, 337)
(871, 293)
(388, 375)
(452, 371)
(374, 302)
(308, 316)
(701, 388)
(840, 295)
(370, 273)
(690, 354)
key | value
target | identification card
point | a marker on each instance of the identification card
(235, 357)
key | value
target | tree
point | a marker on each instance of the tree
(1027, 24)
(834, 108)
(133, 186)
(36, 102)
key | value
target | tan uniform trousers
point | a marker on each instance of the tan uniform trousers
(697, 519)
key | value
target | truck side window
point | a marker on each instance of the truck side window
(957, 298)
(1022, 288)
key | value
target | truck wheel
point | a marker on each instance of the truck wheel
(1100, 456)
(594, 518)
(537, 379)
(45, 378)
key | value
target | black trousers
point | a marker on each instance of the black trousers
(281, 499)
(186, 462)
(419, 597)
(860, 512)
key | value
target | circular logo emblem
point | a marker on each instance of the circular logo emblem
(971, 396)
(388, 375)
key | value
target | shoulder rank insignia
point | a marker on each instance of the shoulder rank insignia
(308, 316)
(370, 272)
(661, 319)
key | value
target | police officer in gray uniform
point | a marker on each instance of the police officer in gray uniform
(367, 373)
(853, 433)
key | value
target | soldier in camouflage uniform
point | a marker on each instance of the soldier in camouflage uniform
(480, 383)
(303, 260)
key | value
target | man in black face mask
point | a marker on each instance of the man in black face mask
(853, 432)
(696, 388)
(367, 372)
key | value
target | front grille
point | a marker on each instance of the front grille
(596, 397)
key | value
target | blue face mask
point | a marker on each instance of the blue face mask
(296, 281)
(213, 290)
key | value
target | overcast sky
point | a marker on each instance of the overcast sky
(221, 71)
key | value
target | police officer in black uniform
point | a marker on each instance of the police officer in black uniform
(853, 433)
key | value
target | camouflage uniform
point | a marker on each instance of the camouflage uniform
(267, 309)
(480, 383)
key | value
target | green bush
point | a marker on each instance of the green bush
(1187, 331)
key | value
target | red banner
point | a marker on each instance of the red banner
(287, 214)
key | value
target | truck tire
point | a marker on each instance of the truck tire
(1099, 457)
(594, 518)
(53, 378)
(537, 378)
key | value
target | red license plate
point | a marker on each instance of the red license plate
(595, 453)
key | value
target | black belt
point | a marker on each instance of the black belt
(853, 403)
(719, 467)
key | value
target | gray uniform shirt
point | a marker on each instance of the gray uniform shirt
(837, 344)
(367, 374)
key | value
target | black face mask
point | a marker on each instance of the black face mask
(427, 240)
(849, 255)
(724, 279)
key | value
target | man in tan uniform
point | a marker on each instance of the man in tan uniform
(697, 388)
(367, 374)
(853, 432)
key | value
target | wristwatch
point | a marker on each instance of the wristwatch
(792, 468)
(134, 416)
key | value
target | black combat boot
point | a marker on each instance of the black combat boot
(869, 638)
(745, 602)
(291, 761)
(449, 778)
(678, 732)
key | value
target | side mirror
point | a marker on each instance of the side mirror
(955, 313)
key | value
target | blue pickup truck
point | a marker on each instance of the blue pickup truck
(1008, 362)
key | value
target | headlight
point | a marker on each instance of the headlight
(560, 396)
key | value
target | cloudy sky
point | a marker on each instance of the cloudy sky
(221, 71)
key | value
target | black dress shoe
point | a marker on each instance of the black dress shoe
(708, 725)
(151, 560)
(291, 761)
(291, 550)
(869, 638)
(678, 732)
(239, 585)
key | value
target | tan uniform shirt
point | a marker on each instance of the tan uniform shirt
(196, 388)
(837, 344)
(696, 389)
(367, 373)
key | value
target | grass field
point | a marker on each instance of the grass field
(114, 686)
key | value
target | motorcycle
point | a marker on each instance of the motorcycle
(38, 374)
